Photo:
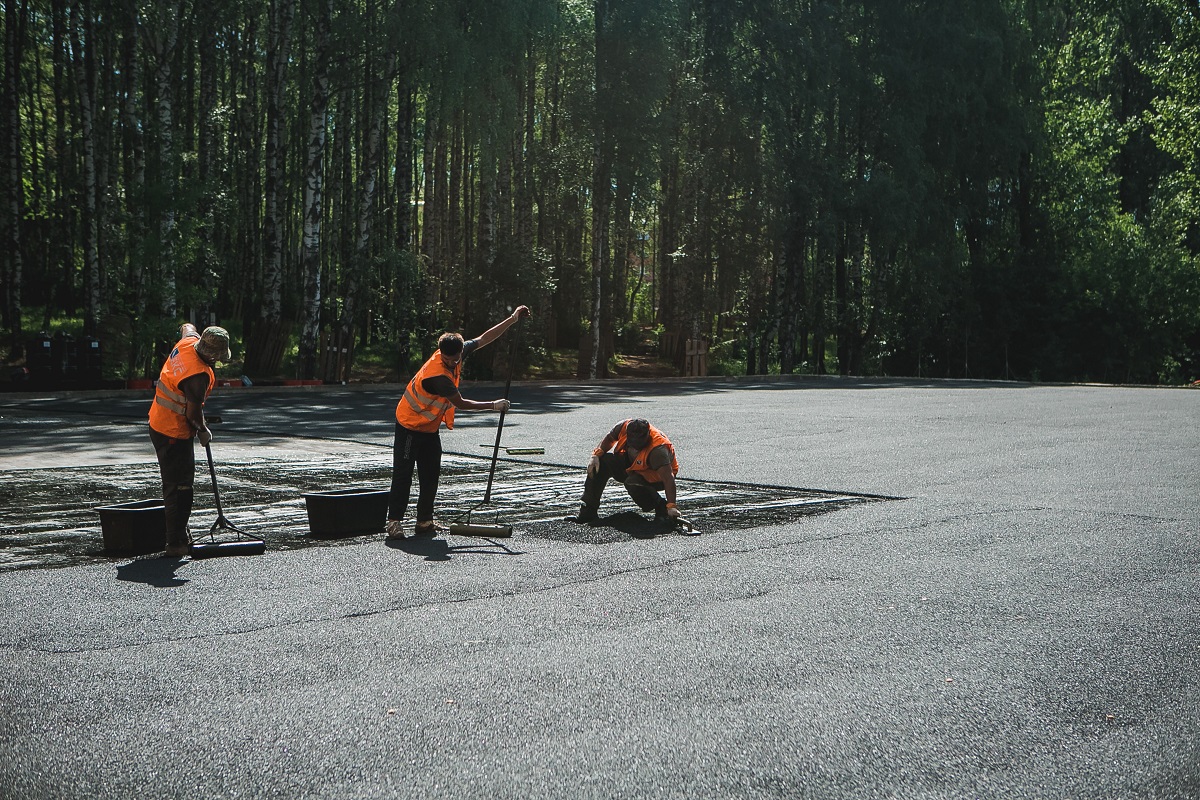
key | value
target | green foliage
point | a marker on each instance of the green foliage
(936, 188)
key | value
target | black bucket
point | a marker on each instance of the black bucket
(346, 512)
(134, 528)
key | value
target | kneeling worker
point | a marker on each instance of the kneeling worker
(641, 457)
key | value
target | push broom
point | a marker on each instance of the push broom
(495, 531)
(244, 544)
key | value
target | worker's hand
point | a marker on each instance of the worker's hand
(673, 512)
(593, 465)
(501, 405)
(521, 312)
(204, 435)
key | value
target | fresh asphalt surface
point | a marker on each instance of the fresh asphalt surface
(1024, 623)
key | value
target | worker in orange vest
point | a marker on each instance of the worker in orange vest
(430, 399)
(177, 419)
(639, 456)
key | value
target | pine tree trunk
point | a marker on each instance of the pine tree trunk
(359, 265)
(206, 160)
(602, 167)
(134, 146)
(404, 166)
(84, 66)
(163, 35)
(523, 158)
(14, 16)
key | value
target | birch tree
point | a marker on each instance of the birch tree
(314, 187)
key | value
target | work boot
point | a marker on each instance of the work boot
(395, 529)
(428, 529)
(180, 546)
(586, 516)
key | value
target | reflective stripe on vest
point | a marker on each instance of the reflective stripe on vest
(657, 439)
(168, 412)
(420, 411)
(173, 401)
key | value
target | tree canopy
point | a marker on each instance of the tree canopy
(1000, 189)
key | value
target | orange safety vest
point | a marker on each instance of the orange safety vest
(168, 412)
(420, 411)
(639, 463)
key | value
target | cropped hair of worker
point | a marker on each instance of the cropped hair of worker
(177, 420)
(430, 399)
(639, 456)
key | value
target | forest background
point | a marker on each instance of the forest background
(984, 189)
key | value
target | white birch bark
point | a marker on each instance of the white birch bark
(314, 188)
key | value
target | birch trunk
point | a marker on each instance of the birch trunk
(313, 197)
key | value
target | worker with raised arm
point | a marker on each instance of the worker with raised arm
(431, 398)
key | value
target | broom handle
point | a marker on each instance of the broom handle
(512, 360)
(212, 471)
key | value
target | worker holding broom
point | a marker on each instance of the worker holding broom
(430, 399)
(177, 419)
(639, 456)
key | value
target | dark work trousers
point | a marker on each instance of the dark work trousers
(423, 450)
(177, 465)
(612, 465)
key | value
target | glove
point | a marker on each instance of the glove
(673, 512)
(593, 465)
(501, 405)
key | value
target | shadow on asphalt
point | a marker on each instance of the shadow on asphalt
(441, 550)
(153, 571)
(376, 402)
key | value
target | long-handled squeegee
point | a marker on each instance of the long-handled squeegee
(244, 545)
(496, 531)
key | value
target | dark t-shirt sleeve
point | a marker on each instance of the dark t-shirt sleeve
(659, 457)
(440, 385)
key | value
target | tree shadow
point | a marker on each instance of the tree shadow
(442, 550)
(154, 571)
